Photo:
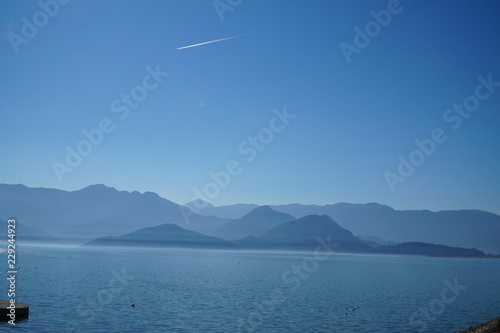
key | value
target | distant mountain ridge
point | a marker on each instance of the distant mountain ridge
(165, 235)
(464, 228)
(460, 228)
(304, 233)
(230, 211)
(25, 233)
(308, 233)
(419, 248)
(256, 222)
(97, 210)
(94, 211)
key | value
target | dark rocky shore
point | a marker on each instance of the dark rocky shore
(492, 326)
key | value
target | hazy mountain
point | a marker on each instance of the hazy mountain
(254, 223)
(95, 211)
(229, 211)
(25, 234)
(165, 235)
(303, 234)
(462, 228)
(426, 249)
(377, 240)
(199, 205)
(98, 210)
(119, 225)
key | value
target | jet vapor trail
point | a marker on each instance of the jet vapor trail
(210, 42)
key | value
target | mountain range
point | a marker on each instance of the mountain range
(255, 223)
(306, 234)
(164, 235)
(27, 234)
(460, 228)
(77, 217)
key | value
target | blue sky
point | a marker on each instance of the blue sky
(352, 119)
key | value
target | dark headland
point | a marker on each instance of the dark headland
(491, 326)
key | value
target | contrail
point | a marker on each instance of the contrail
(210, 42)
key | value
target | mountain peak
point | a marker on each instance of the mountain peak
(305, 231)
(199, 204)
(164, 235)
(313, 218)
(97, 187)
(256, 222)
(150, 194)
(262, 209)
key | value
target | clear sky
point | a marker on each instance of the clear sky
(356, 102)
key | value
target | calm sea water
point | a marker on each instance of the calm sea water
(77, 290)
